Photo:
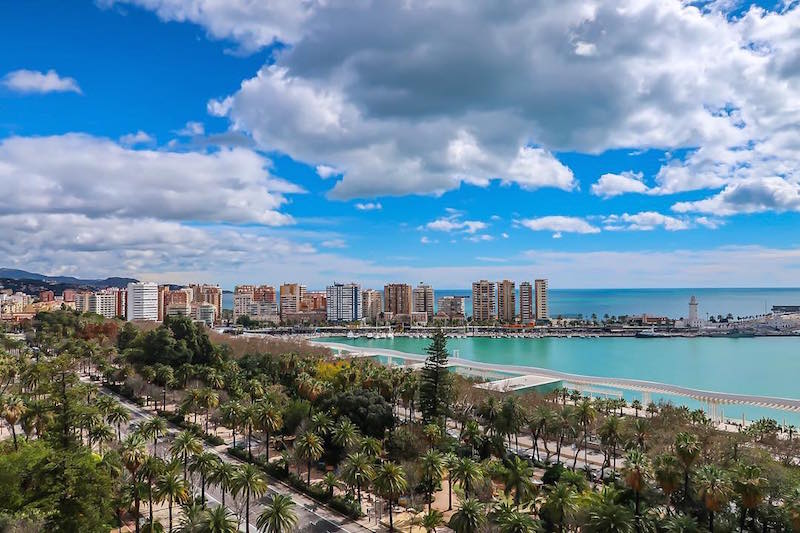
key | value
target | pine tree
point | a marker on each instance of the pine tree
(435, 386)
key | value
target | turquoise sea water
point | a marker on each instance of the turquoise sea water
(768, 366)
(663, 302)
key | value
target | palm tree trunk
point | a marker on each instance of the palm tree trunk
(711, 521)
(449, 491)
(249, 438)
(247, 511)
(391, 519)
(203, 488)
(170, 514)
(150, 498)
(267, 445)
(14, 435)
(309, 473)
(136, 507)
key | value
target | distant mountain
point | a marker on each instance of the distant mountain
(8, 275)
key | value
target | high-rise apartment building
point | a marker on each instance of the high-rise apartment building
(371, 304)
(142, 301)
(506, 301)
(69, 295)
(423, 299)
(397, 299)
(103, 303)
(542, 307)
(82, 302)
(257, 302)
(212, 294)
(526, 310)
(344, 302)
(47, 296)
(452, 306)
(291, 295)
(483, 301)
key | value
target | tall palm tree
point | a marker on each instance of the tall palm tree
(371, 447)
(172, 488)
(687, 448)
(330, 482)
(13, 408)
(637, 471)
(469, 518)
(390, 482)
(432, 469)
(117, 416)
(204, 464)
(218, 520)
(749, 485)
(468, 473)
(450, 462)
(192, 519)
(222, 476)
(433, 434)
(153, 428)
(714, 489)
(101, 434)
(251, 482)
(585, 413)
(668, 474)
(133, 453)
(267, 418)
(357, 471)
(232, 416)
(209, 399)
(151, 469)
(309, 448)
(186, 444)
(278, 515)
(560, 503)
(517, 475)
(345, 434)
(609, 433)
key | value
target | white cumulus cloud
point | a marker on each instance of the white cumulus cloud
(34, 81)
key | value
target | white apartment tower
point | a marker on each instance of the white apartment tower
(526, 312)
(422, 296)
(103, 303)
(483, 301)
(506, 301)
(142, 301)
(344, 302)
(542, 308)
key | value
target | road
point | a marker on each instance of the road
(311, 516)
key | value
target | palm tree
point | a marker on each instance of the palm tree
(268, 419)
(101, 434)
(432, 468)
(637, 406)
(153, 428)
(687, 448)
(518, 522)
(13, 408)
(640, 429)
(209, 399)
(278, 515)
(371, 447)
(232, 416)
(749, 485)
(714, 489)
(192, 520)
(637, 471)
(433, 434)
(222, 476)
(218, 520)
(249, 480)
(204, 464)
(586, 413)
(152, 468)
(390, 482)
(345, 434)
(309, 448)
(468, 473)
(185, 444)
(668, 474)
(681, 523)
(609, 433)
(133, 454)
(172, 488)
(560, 504)
(517, 475)
(608, 517)
(431, 520)
(330, 482)
(450, 462)
(469, 518)
(357, 471)
(117, 416)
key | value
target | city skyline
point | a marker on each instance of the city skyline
(632, 149)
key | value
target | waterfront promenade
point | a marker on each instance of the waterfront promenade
(713, 399)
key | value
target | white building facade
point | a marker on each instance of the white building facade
(142, 301)
(344, 302)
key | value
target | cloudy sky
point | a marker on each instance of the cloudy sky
(597, 143)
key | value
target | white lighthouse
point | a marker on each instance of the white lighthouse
(694, 322)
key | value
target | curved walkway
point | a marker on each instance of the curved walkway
(784, 404)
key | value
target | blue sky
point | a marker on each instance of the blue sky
(188, 140)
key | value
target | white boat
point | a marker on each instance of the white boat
(351, 335)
